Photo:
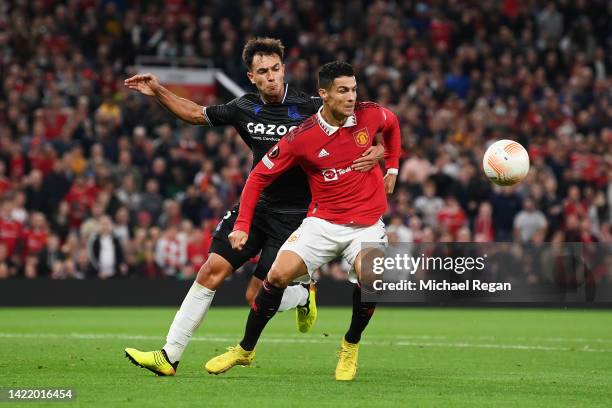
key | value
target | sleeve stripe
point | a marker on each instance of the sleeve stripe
(206, 116)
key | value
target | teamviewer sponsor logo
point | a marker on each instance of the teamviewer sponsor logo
(333, 174)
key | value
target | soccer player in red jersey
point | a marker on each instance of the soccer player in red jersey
(345, 210)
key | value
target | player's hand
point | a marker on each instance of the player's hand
(143, 83)
(390, 180)
(238, 239)
(369, 158)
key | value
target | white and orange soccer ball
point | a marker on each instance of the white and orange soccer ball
(506, 162)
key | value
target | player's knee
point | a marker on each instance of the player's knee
(212, 274)
(364, 266)
(278, 277)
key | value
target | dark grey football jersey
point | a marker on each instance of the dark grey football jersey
(261, 125)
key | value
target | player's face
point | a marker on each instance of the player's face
(341, 96)
(268, 75)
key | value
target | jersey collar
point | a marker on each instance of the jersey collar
(284, 95)
(329, 129)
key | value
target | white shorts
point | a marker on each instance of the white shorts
(318, 242)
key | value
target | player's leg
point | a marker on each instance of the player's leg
(188, 318)
(279, 227)
(293, 296)
(296, 296)
(362, 310)
(297, 257)
(287, 267)
(222, 261)
(196, 304)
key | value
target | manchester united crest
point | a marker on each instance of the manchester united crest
(362, 137)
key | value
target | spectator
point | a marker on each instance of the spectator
(7, 267)
(483, 226)
(35, 196)
(171, 252)
(401, 232)
(151, 201)
(50, 257)
(122, 229)
(428, 205)
(92, 224)
(529, 221)
(5, 182)
(506, 204)
(105, 252)
(192, 204)
(10, 230)
(34, 240)
(171, 214)
(451, 217)
(128, 194)
(125, 168)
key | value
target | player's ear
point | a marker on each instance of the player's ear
(250, 76)
(323, 93)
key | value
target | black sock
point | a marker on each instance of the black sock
(362, 312)
(263, 309)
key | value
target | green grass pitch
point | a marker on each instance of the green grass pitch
(408, 357)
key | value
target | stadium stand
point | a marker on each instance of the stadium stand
(76, 145)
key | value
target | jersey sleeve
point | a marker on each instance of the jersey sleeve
(221, 115)
(279, 159)
(392, 139)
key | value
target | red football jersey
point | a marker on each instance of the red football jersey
(10, 232)
(326, 153)
(35, 241)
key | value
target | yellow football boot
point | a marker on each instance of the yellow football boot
(233, 356)
(306, 315)
(347, 361)
(154, 361)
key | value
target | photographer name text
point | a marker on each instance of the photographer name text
(442, 285)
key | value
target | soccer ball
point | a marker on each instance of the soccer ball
(506, 162)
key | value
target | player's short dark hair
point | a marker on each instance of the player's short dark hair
(333, 70)
(262, 46)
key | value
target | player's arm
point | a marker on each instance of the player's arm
(371, 156)
(393, 147)
(182, 108)
(278, 160)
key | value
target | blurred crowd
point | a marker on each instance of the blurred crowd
(96, 180)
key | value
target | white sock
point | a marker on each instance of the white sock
(187, 319)
(294, 296)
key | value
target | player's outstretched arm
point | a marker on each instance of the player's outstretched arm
(274, 163)
(182, 108)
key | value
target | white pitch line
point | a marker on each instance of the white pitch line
(502, 346)
(281, 340)
(544, 339)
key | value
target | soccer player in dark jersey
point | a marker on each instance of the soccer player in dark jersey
(345, 210)
(261, 119)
